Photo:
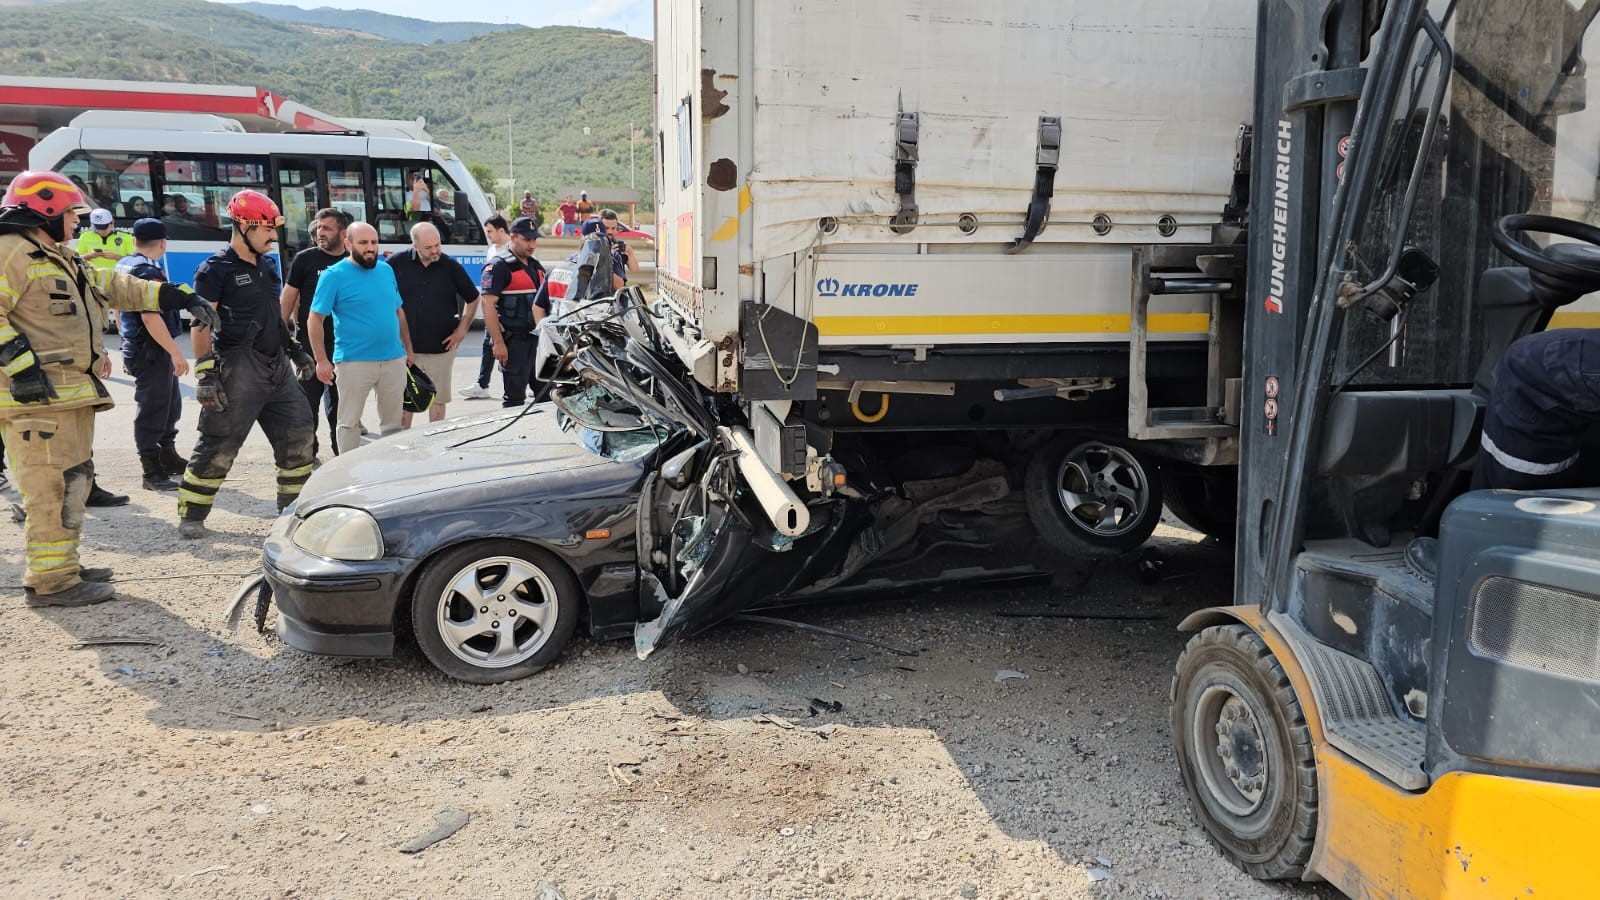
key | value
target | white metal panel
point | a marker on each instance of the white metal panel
(1151, 94)
(941, 300)
(47, 153)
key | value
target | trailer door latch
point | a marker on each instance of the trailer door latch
(907, 127)
(1044, 181)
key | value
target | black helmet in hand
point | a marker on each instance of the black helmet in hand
(419, 390)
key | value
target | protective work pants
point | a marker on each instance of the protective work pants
(517, 372)
(259, 389)
(49, 454)
(1546, 396)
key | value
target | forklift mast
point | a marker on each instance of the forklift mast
(1309, 76)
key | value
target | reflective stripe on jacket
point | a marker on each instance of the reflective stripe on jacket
(49, 294)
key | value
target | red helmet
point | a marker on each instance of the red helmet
(47, 193)
(254, 208)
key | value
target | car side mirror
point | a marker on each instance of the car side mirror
(677, 471)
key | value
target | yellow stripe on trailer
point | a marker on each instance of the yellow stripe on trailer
(1575, 320)
(1109, 324)
(729, 229)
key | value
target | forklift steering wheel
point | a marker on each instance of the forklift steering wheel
(1566, 271)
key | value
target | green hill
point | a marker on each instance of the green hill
(552, 82)
(395, 28)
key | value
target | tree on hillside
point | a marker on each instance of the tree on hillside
(482, 174)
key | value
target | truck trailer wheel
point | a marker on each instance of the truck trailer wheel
(1245, 752)
(1089, 497)
(1206, 498)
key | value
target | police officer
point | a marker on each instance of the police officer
(509, 283)
(249, 374)
(102, 245)
(1546, 395)
(52, 312)
(150, 353)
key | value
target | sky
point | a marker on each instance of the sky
(636, 17)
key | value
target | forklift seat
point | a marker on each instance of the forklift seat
(1400, 432)
(1377, 444)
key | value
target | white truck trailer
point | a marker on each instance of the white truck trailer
(943, 228)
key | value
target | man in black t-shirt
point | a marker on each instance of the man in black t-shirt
(328, 230)
(440, 301)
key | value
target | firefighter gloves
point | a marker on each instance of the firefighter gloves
(183, 297)
(208, 392)
(29, 383)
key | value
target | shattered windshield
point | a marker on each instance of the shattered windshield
(1518, 133)
(611, 426)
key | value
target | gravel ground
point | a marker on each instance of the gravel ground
(214, 764)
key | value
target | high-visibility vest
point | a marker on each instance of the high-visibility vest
(118, 242)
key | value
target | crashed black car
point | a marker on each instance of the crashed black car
(630, 501)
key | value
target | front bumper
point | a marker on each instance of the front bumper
(334, 607)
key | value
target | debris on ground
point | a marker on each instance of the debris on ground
(116, 642)
(450, 821)
(821, 706)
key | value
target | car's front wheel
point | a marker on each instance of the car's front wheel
(494, 611)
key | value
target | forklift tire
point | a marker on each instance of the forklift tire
(1088, 497)
(1205, 498)
(1245, 752)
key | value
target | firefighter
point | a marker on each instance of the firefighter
(52, 313)
(249, 373)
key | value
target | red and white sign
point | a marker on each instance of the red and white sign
(15, 142)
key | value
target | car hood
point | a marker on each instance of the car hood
(459, 453)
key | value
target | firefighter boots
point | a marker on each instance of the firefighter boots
(84, 593)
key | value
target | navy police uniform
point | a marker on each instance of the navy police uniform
(1546, 396)
(155, 386)
(258, 381)
(519, 289)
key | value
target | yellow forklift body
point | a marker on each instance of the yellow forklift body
(1467, 836)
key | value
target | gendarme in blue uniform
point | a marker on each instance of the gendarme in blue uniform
(246, 295)
(518, 289)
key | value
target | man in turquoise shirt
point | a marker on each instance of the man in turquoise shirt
(372, 344)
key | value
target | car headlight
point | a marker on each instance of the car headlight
(340, 532)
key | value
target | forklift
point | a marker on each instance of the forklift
(1406, 702)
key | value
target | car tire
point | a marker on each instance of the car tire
(494, 611)
(1244, 751)
(1089, 497)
